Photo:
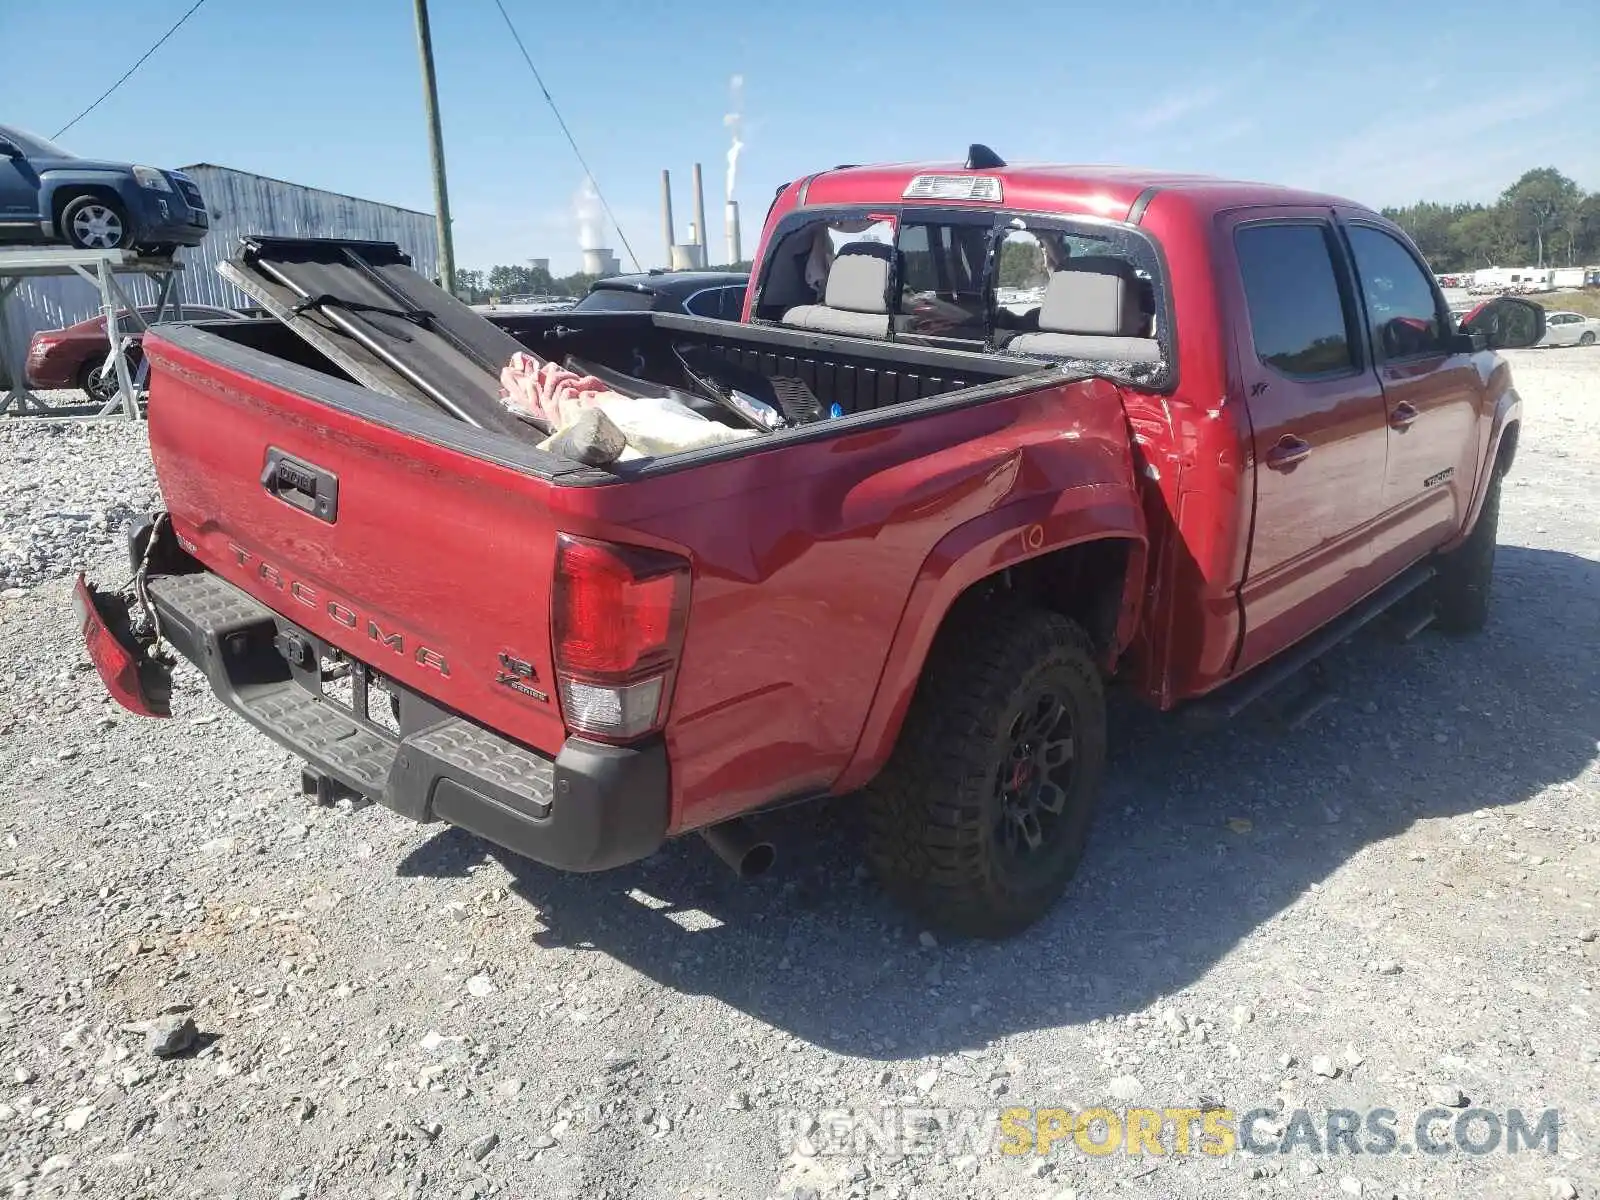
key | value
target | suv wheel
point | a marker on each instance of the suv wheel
(95, 223)
(979, 819)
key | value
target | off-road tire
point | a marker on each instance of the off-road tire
(1466, 574)
(934, 813)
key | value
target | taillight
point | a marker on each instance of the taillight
(116, 664)
(617, 623)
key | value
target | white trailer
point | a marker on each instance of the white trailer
(1568, 277)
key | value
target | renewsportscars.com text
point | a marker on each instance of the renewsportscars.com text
(1159, 1132)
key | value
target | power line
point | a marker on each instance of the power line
(129, 71)
(571, 141)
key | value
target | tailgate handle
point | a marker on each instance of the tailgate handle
(301, 484)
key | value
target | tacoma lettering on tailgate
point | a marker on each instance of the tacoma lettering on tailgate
(303, 593)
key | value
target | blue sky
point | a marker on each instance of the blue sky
(1382, 101)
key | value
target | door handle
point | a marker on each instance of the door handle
(1401, 416)
(1289, 451)
(304, 485)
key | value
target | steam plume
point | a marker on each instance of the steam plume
(734, 120)
(586, 210)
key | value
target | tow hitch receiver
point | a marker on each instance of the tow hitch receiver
(138, 681)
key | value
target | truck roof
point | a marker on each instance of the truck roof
(1103, 191)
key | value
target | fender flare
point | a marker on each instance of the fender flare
(1507, 422)
(53, 183)
(974, 551)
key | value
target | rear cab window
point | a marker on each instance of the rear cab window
(942, 275)
(974, 279)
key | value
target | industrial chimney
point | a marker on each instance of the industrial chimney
(667, 227)
(735, 253)
(699, 238)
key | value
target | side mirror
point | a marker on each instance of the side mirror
(9, 149)
(1506, 323)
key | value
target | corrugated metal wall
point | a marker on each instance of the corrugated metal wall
(240, 204)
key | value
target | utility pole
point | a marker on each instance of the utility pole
(441, 197)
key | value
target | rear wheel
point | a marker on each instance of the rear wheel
(96, 223)
(1467, 572)
(97, 383)
(980, 818)
(1587, 339)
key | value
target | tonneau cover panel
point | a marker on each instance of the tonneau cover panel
(364, 307)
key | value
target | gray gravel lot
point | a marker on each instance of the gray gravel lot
(1394, 906)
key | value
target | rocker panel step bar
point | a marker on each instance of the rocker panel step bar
(1233, 698)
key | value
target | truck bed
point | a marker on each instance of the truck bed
(364, 314)
(861, 377)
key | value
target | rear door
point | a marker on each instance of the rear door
(19, 192)
(1317, 417)
(1433, 397)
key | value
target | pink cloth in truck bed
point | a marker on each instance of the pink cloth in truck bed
(549, 391)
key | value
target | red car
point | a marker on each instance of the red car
(74, 356)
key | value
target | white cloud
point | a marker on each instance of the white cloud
(1469, 152)
(1177, 105)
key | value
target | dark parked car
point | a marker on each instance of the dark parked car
(701, 293)
(50, 195)
(76, 355)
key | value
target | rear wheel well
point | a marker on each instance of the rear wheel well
(1084, 582)
(66, 195)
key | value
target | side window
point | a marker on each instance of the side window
(1402, 308)
(705, 304)
(1297, 316)
(732, 303)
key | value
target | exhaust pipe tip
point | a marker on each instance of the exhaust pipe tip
(733, 842)
(758, 860)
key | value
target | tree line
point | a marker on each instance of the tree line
(478, 286)
(1544, 219)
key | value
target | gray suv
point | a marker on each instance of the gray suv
(50, 195)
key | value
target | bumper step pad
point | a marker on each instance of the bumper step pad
(230, 636)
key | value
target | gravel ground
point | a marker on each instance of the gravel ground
(1393, 906)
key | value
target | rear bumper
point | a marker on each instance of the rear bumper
(52, 367)
(590, 808)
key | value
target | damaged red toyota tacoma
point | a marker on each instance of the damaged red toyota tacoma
(1019, 433)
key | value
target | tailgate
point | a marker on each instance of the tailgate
(413, 542)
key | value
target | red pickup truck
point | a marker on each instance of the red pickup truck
(1073, 426)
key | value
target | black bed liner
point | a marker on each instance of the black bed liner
(363, 306)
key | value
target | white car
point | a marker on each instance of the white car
(1570, 329)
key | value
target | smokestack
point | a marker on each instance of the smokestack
(667, 227)
(700, 214)
(732, 217)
